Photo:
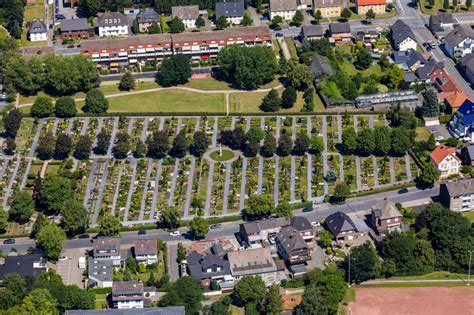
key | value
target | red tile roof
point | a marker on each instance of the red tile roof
(441, 152)
(456, 99)
(371, 2)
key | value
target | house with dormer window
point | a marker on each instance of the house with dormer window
(112, 24)
(446, 161)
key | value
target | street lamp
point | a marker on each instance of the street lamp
(469, 269)
(349, 269)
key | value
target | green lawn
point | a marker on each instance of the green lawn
(100, 299)
(208, 84)
(3, 33)
(426, 8)
(469, 215)
(416, 285)
(433, 276)
(422, 134)
(164, 23)
(250, 102)
(226, 155)
(290, 43)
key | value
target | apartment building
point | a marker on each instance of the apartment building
(283, 8)
(146, 251)
(402, 36)
(254, 262)
(127, 295)
(458, 195)
(112, 24)
(233, 11)
(329, 8)
(188, 14)
(107, 248)
(197, 46)
(460, 41)
(364, 6)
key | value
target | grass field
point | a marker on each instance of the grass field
(208, 84)
(426, 8)
(469, 215)
(250, 102)
(226, 155)
(3, 33)
(433, 276)
(422, 134)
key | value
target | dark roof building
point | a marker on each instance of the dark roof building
(36, 27)
(100, 273)
(343, 227)
(339, 28)
(170, 310)
(109, 19)
(408, 59)
(207, 266)
(312, 31)
(127, 294)
(401, 33)
(148, 16)
(25, 265)
(75, 25)
(424, 73)
(467, 66)
(230, 9)
(304, 227)
(292, 246)
(439, 22)
(458, 35)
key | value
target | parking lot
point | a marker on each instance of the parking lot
(440, 132)
(69, 269)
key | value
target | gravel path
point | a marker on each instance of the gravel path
(31, 154)
(393, 178)
(69, 126)
(175, 170)
(325, 157)
(10, 184)
(189, 188)
(155, 191)
(83, 132)
(100, 193)
(260, 161)
(228, 170)
(210, 179)
(214, 133)
(407, 164)
(133, 163)
(99, 129)
(376, 171)
(357, 158)
(112, 136)
(90, 184)
(309, 158)
(277, 166)
(117, 189)
(145, 189)
(293, 163)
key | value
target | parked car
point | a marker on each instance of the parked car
(308, 209)
(175, 233)
(83, 236)
(403, 191)
(9, 241)
(142, 232)
(215, 226)
(315, 224)
(63, 258)
(278, 35)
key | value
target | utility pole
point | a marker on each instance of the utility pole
(469, 269)
(349, 270)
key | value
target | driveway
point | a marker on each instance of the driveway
(317, 257)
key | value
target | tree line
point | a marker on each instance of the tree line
(12, 16)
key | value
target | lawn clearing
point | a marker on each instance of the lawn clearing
(226, 155)
(250, 102)
(422, 134)
(469, 215)
(420, 301)
(208, 84)
(433, 276)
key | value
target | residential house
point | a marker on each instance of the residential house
(424, 73)
(304, 227)
(408, 60)
(386, 217)
(118, 53)
(127, 294)
(232, 10)
(31, 265)
(310, 32)
(170, 310)
(286, 9)
(447, 89)
(146, 251)
(209, 267)
(458, 195)
(402, 36)
(259, 231)
(462, 123)
(460, 41)
(340, 32)
(329, 8)
(107, 248)
(342, 227)
(291, 246)
(147, 18)
(467, 67)
(100, 273)
(440, 23)
(112, 24)
(74, 29)
(187, 14)
(467, 155)
(254, 262)
(445, 160)
(364, 6)
(304, 4)
(37, 31)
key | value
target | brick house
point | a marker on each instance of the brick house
(386, 217)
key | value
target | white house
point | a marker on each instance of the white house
(402, 36)
(460, 41)
(146, 251)
(127, 295)
(187, 14)
(233, 11)
(112, 24)
(445, 160)
(284, 8)
(37, 31)
(107, 248)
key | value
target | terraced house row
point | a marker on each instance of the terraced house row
(114, 53)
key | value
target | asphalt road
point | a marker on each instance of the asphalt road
(319, 212)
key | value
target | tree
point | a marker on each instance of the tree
(332, 285)
(276, 20)
(10, 146)
(259, 206)
(122, 145)
(83, 148)
(401, 141)
(51, 239)
(430, 107)
(90, 7)
(250, 289)
(199, 227)
(42, 107)
(62, 147)
(251, 148)
(174, 70)
(349, 140)
(298, 18)
(284, 145)
(65, 107)
(255, 134)
(3, 221)
(45, 147)
(269, 145)
(383, 139)
(127, 82)
(394, 77)
(15, 289)
(325, 238)
(271, 102)
(401, 117)
(247, 67)
(468, 4)
(431, 143)
(218, 308)
(272, 303)
(103, 142)
(176, 25)
(39, 301)
(169, 218)
(200, 144)
(341, 191)
(318, 16)
(288, 97)
(73, 217)
(383, 62)
(246, 20)
(180, 145)
(298, 74)
(428, 175)
(95, 103)
(154, 28)
(187, 292)
(109, 225)
(221, 22)
(158, 145)
(446, 4)
(140, 149)
(21, 208)
(11, 122)
(283, 210)
(364, 263)
(366, 141)
(302, 144)
(54, 190)
(313, 302)
(41, 221)
(363, 59)
(370, 15)
(317, 145)
(200, 22)
(346, 14)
